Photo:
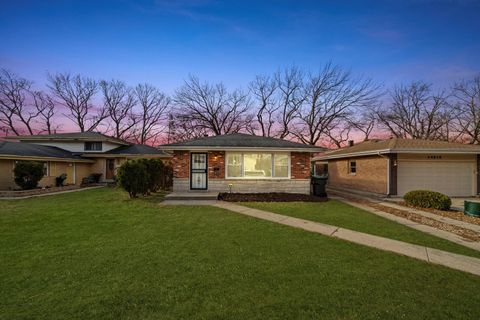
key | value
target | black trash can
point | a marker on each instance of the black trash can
(319, 184)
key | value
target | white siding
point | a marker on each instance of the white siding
(76, 146)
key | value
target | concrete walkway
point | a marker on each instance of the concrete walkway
(51, 194)
(451, 260)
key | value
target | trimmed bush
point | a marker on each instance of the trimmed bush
(428, 199)
(155, 172)
(60, 180)
(28, 174)
(133, 177)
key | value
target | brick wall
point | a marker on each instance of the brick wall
(300, 165)
(371, 174)
(181, 164)
(216, 165)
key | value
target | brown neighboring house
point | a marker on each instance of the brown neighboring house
(242, 163)
(77, 154)
(396, 166)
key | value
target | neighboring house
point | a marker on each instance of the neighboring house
(396, 166)
(76, 154)
(242, 162)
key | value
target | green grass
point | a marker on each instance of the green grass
(97, 255)
(343, 215)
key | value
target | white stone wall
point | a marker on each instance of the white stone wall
(249, 186)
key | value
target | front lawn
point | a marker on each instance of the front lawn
(343, 215)
(97, 255)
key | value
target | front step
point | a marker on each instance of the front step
(192, 196)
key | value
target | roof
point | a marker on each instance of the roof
(80, 136)
(397, 145)
(27, 150)
(240, 141)
(137, 149)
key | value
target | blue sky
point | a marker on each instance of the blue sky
(162, 42)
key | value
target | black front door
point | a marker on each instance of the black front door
(198, 171)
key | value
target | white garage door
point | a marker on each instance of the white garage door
(450, 178)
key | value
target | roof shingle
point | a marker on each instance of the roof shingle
(400, 145)
(240, 140)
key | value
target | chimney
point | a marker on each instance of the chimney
(350, 143)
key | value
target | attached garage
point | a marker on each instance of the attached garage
(453, 178)
(409, 164)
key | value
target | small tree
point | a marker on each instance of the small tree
(28, 174)
(133, 177)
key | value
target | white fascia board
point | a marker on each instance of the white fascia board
(240, 149)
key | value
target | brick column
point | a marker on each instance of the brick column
(300, 165)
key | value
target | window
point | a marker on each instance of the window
(234, 165)
(93, 146)
(280, 167)
(352, 167)
(45, 169)
(258, 165)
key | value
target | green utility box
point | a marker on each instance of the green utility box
(472, 208)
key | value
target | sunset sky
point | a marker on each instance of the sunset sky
(162, 42)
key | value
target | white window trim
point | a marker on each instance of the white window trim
(350, 167)
(259, 178)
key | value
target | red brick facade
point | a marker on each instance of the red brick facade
(216, 165)
(300, 165)
(181, 164)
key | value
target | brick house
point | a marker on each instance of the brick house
(242, 163)
(395, 166)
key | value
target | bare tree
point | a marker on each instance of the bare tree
(119, 100)
(211, 108)
(467, 105)
(364, 121)
(338, 133)
(292, 96)
(76, 93)
(45, 105)
(264, 90)
(154, 107)
(14, 105)
(416, 113)
(330, 95)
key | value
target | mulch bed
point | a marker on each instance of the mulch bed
(464, 233)
(269, 197)
(457, 215)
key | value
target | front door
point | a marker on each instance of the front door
(198, 171)
(110, 169)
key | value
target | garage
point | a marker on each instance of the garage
(453, 178)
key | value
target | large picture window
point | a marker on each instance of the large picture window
(258, 165)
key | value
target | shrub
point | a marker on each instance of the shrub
(60, 179)
(428, 199)
(28, 174)
(156, 172)
(133, 177)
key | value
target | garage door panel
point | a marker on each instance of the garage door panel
(451, 178)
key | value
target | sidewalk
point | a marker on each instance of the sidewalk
(435, 256)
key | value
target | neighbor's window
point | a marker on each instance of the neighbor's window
(352, 167)
(258, 165)
(45, 169)
(93, 146)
